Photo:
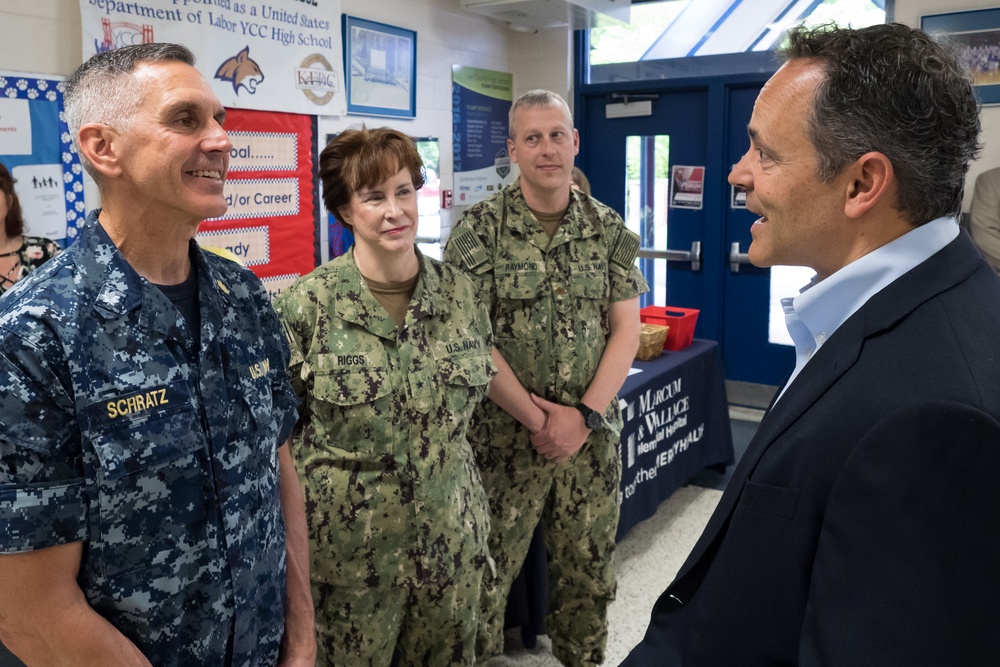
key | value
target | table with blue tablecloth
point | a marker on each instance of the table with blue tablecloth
(676, 424)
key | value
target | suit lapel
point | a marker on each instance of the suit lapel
(951, 265)
(831, 361)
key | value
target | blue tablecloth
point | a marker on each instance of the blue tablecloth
(676, 423)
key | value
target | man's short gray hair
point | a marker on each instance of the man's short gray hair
(537, 98)
(104, 90)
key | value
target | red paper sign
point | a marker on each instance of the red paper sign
(271, 225)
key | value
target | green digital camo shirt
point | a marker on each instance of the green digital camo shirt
(392, 490)
(549, 299)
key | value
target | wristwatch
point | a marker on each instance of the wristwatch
(592, 418)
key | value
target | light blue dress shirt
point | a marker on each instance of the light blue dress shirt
(822, 306)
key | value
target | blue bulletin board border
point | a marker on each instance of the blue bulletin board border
(14, 86)
(975, 31)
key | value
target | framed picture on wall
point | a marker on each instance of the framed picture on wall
(977, 34)
(380, 63)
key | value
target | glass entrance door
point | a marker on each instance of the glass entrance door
(667, 174)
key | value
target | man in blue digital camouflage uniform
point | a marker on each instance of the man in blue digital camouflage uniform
(557, 270)
(145, 504)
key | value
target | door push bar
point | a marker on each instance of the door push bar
(693, 256)
(736, 257)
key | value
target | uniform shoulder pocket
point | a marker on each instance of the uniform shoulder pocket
(465, 245)
(624, 250)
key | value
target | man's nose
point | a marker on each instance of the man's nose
(216, 139)
(740, 174)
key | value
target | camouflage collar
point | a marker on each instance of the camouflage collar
(118, 289)
(355, 303)
(424, 304)
(577, 223)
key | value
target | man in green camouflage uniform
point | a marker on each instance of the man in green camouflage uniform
(397, 514)
(556, 268)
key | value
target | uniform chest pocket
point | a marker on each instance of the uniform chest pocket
(521, 311)
(521, 286)
(354, 412)
(463, 383)
(151, 490)
(346, 388)
(257, 404)
(589, 280)
(470, 370)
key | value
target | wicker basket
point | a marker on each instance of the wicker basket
(651, 340)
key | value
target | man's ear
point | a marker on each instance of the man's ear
(98, 143)
(512, 150)
(870, 181)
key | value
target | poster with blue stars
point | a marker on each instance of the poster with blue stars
(36, 148)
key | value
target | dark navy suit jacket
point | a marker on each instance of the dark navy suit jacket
(862, 525)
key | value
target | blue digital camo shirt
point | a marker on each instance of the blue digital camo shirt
(162, 458)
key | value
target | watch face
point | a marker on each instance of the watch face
(592, 418)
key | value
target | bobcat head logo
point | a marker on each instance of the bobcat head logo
(241, 71)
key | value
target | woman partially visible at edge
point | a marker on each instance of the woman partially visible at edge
(19, 254)
(391, 351)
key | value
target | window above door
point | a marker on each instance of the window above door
(664, 36)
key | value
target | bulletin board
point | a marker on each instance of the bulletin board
(272, 223)
(36, 147)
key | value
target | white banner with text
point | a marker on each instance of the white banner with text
(270, 55)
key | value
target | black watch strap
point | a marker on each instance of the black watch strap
(592, 418)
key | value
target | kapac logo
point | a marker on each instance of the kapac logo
(117, 34)
(316, 79)
(242, 71)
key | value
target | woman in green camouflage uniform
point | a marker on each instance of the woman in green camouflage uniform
(390, 354)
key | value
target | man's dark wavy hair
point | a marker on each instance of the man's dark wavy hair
(892, 89)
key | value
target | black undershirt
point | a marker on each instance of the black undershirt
(184, 296)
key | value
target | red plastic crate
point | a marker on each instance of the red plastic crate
(680, 320)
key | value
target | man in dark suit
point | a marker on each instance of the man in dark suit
(862, 526)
